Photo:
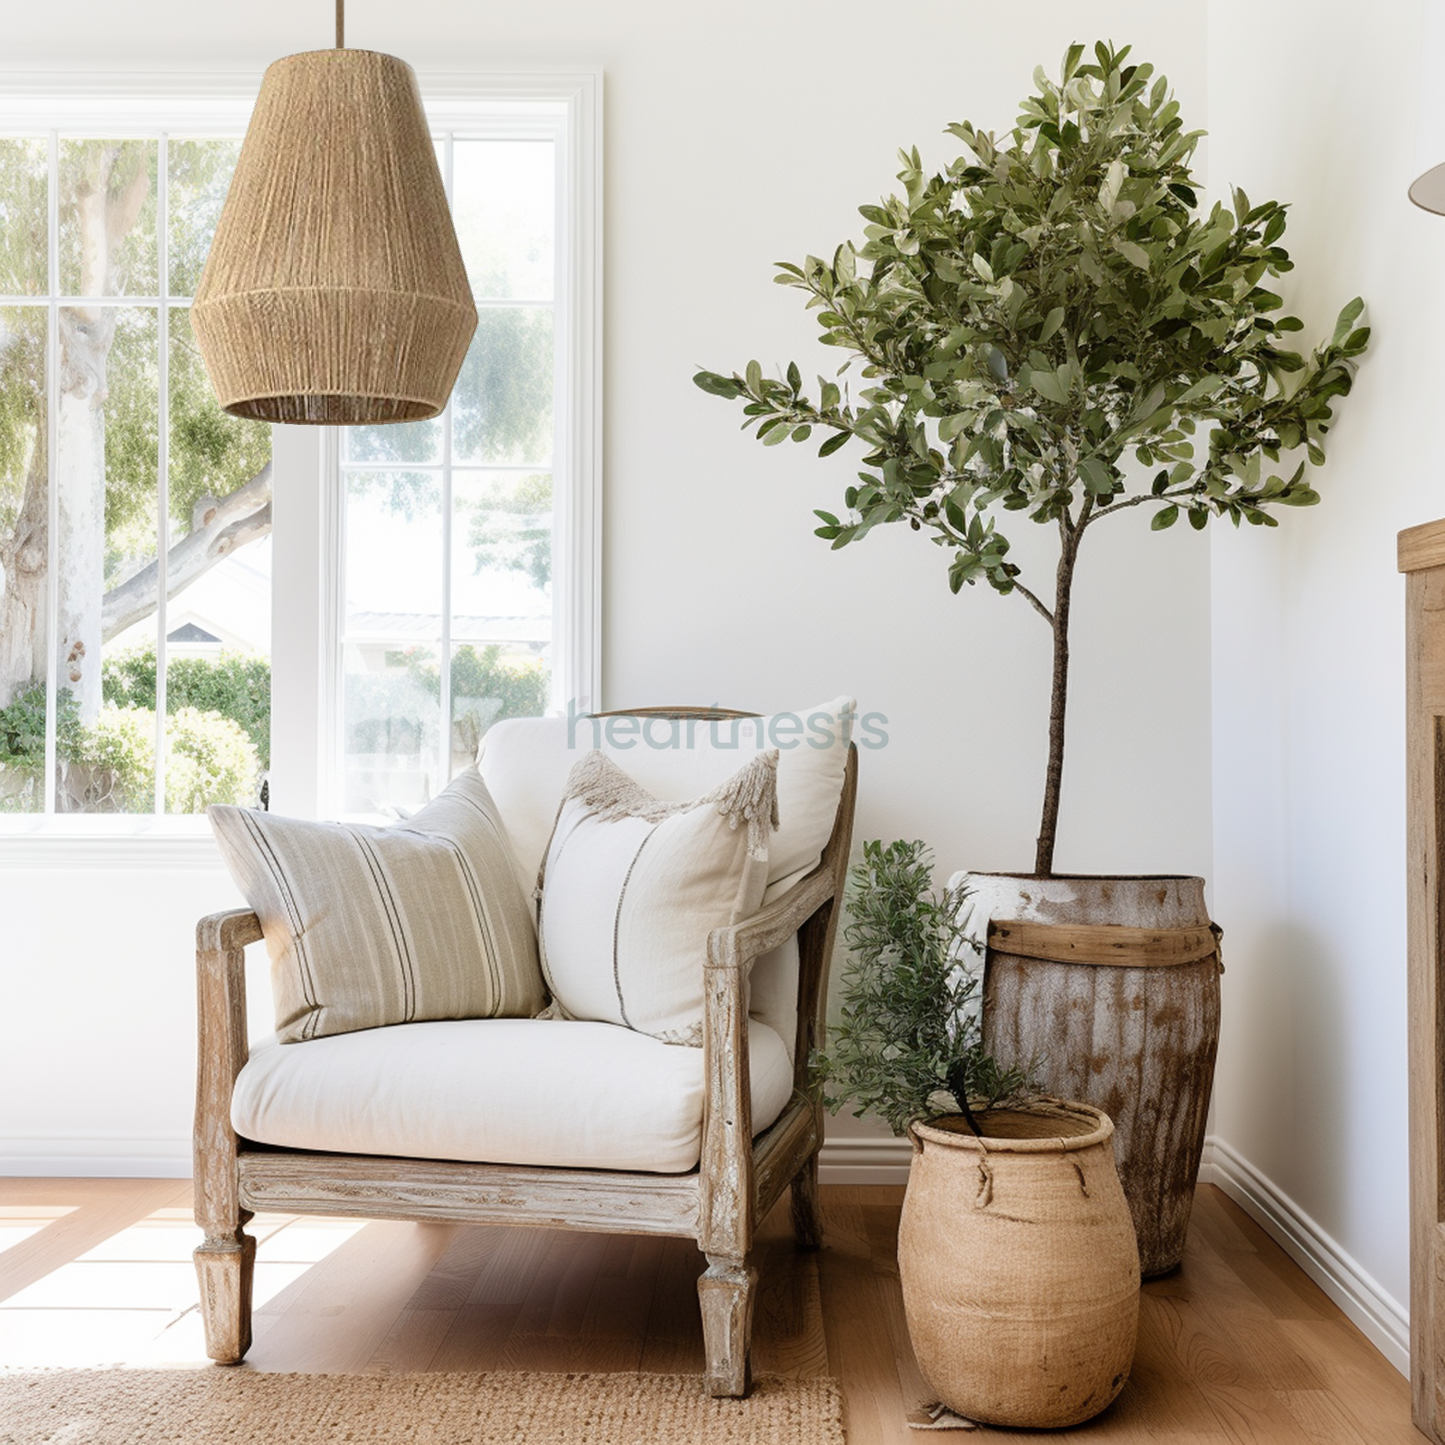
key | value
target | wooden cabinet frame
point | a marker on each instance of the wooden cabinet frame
(1422, 559)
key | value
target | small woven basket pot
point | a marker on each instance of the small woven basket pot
(1019, 1264)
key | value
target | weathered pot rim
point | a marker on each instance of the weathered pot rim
(921, 1133)
(1086, 877)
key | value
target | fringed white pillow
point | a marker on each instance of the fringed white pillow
(632, 886)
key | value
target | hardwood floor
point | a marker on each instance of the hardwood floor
(1237, 1348)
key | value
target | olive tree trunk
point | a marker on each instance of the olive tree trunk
(1058, 698)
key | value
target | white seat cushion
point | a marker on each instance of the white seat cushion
(501, 1091)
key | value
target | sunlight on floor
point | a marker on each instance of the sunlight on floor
(20, 1221)
(132, 1299)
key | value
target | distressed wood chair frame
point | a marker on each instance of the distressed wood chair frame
(719, 1203)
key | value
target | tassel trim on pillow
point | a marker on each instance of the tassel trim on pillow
(749, 797)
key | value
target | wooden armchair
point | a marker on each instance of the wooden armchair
(719, 1203)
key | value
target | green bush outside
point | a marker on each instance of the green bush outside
(209, 759)
(236, 685)
(110, 768)
(522, 688)
(22, 747)
(219, 732)
(486, 688)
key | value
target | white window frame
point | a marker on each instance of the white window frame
(307, 512)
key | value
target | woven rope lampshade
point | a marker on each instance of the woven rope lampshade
(335, 293)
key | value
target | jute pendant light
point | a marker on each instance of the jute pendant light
(335, 292)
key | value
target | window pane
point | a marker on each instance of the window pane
(502, 406)
(106, 412)
(24, 519)
(390, 713)
(391, 685)
(490, 682)
(106, 428)
(501, 602)
(491, 454)
(504, 206)
(218, 624)
(502, 557)
(24, 259)
(108, 218)
(199, 173)
(212, 455)
(393, 554)
(414, 442)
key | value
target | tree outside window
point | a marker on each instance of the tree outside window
(135, 515)
(97, 369)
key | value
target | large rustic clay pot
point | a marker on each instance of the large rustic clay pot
(1020, 1272)
(1121, 1005)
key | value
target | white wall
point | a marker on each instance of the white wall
(97, 1025)
(735, 136)
(1308, 651)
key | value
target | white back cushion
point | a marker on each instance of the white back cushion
(525, 763)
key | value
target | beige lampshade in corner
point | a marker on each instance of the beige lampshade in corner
(1428, 191)
(335, 293)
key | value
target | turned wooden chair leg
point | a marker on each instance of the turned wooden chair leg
(807, 1221)
(225, 1265)
(727, 1291)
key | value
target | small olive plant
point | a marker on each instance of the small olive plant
(909, 1044)
(1044, 327)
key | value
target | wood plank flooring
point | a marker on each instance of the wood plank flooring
(1236, 1348)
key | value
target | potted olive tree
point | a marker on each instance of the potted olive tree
(1054, 327)
(1017, 1256)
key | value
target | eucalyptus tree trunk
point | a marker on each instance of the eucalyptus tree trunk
(22, 583)
(1070, 536)
(219, 527)
(104, 218)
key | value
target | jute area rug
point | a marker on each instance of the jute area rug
(244, 1407)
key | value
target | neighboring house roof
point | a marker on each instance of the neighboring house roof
(426, 627)
(191, 633)
(231, 602)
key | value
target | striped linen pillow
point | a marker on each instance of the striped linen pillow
(369, 926)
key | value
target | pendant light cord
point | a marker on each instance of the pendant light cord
(340, 24)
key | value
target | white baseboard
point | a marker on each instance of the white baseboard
(864, 1161)
(77, 1157)
(1377, 1313)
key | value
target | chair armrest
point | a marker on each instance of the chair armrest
(725, 1173)
(222, 1047)
(221, 932)
(738, 945)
